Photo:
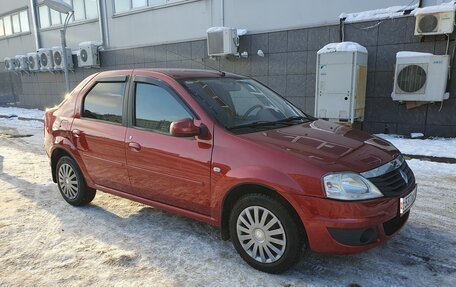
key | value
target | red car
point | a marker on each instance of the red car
(226, 150)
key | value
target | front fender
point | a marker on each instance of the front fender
(268, 177)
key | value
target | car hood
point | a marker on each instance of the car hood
(330, 146)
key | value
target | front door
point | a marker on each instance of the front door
(99, 132)
(163, 168)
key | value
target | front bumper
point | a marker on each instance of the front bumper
(344, 227)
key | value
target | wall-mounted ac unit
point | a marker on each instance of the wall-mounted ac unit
(420, 77)
(434, 23)
(341, 82)
(46, 60)
(57, 54)
(22, 63)
(33, 61)
(10, 64)
(222, 41)
(88, 55)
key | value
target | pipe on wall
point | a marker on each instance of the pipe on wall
(33, 10)
(102, 18)
(222, 12)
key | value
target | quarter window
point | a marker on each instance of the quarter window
(104, 102)
(156, 108)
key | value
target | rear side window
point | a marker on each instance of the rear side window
(156, 108)
(104, 102)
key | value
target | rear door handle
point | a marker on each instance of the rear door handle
(134, 146)
(76, 133)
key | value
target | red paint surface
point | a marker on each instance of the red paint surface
(176, 174)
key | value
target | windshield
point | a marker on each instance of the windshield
(243, 104)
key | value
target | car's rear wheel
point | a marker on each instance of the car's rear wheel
(71, 183)
(265, 233)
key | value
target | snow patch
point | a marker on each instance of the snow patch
(21, 112)
(384, 13)
(240, 32)
(342, 47)
(444, 7)
(409, 54)
(437, 147)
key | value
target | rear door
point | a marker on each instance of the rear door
(99, 130)
(163, 168)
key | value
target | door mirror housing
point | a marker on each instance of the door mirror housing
(184, 128)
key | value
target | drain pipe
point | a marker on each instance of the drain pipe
(33, 11)
(222, 12)
(102, 18)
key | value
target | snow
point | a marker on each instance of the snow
(117, 242)
(377, 14)
(21, 112)
(240, 32)
(342, 47)
(416, 135)
(437, 147)
(444, 7)
(409, 54)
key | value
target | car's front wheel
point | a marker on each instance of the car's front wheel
(71, 183)
(265, 233)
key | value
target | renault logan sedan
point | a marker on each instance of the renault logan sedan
(227, 150)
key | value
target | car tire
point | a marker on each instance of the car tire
(271, 244)
(71, 183)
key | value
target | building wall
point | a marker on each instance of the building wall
(289, 68)
(76, 33)
(189, 21)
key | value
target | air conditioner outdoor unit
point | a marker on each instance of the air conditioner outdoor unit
(341, 77)
(222, 41)
(33, 61)
(434, 23)
(57, 54)
(22, 63)
(420, 77)
(10, 64)
(46, 60)
(88, 55)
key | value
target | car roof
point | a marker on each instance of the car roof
(192, 73)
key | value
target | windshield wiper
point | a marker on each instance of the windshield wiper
(293, 118)
(285, 121)
(255, 124)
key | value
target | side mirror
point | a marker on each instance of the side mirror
(184, 128)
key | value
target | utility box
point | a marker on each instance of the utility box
(340, 92)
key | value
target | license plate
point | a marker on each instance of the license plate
(406, 202)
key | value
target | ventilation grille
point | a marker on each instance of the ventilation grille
(7, 64)
(84, 55)
(44, 60)
(428, 24)
(215, 43)
(57, 58)
(411, 78)
(31, 62)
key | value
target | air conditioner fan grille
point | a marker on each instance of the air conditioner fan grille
(411, 78)
(428, 24)
(57, 58)
(44, 59)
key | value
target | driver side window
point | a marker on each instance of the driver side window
(156, 108)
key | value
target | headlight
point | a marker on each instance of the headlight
(349, 186)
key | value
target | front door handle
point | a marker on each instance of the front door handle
(134, 146)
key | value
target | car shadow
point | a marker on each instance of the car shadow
(185, 249)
